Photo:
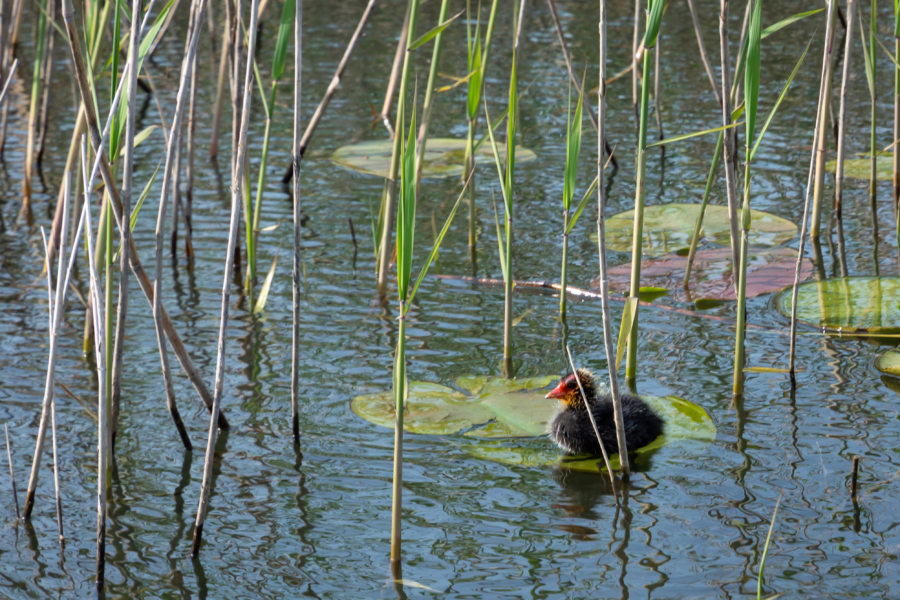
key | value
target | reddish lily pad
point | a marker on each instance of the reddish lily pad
(668, 228)
(850, 304)
(444, 157)
(712, 276)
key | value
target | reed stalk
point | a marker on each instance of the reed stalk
(100, 351)
(765, 552)
(728, 148)
(650, 37)
(895, 152)
(573, 147)
(9, 36)
(871, 81)
(252, 213)
(388, 201)
(297, 219)
(751, 102)
(169, 176)
(394, 78)
(105, 172)
(33, 111)
(703, 56)
(220, 83)
(477, 64)
(12, 473)
(842, 110)
(821, 148)
(429, 89)
(237, 182)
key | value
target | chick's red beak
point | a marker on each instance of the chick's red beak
(559, 391)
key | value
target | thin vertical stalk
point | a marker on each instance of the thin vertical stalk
(33, 113)
(635, 41)
(872, 72)
(220, 84)
(703, 57)
(657, 111)
(295, 270)
(389, 203)
(237, 182)
(601, 249)
(638, 228)
(751, 98)
(100, 350)
(429, 92)
(842, 110)
(819, 173)
(728, 148)
(894, 150)
(12, 473)
(396, 64)
(169, 177)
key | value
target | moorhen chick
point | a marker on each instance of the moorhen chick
(571, 427)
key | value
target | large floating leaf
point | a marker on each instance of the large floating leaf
(437, 409)
(860, 168)
(685, 422)
(889, 363)
(869, 304)
(712, 277)
(444, 157)
(668, 228)
(500, 409)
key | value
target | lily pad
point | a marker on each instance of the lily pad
(444, 157)
(437, 409)
(500, 409)
(686, 422)
(860, 168)
(712, 277)
(865, 304)
(668, 228)
(889, 363)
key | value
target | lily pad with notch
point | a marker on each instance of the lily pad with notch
(847, 304)
(669, 227)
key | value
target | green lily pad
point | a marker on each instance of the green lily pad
(865, 304)
(686, 422)
(860, 168)
(889, 363)
(668, 228)
(432, 408)
(712, 276)
(444, 157)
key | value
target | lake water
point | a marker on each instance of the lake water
(315, 521)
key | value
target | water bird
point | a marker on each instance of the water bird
(571, 427)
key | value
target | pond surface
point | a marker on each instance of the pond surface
(315, 521)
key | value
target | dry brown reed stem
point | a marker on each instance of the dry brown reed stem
(220, 84)
(9, 33)
(12, 71)
(728, 149)
(46, 73)
(100, 354)
(854, 470)
(237, 187)
(12, 474)
(56, 307)
(590, 412)
(842, 110)
(817, 131)
(136, 266)
(601, 247)
(295, 269)
(576, 84)
(703, 56)
(822, 121)
(896, 152)
(170, 180)
(189, 171)
(394, 79)
(125, 232)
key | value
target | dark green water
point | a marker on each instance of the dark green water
(315, 523)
